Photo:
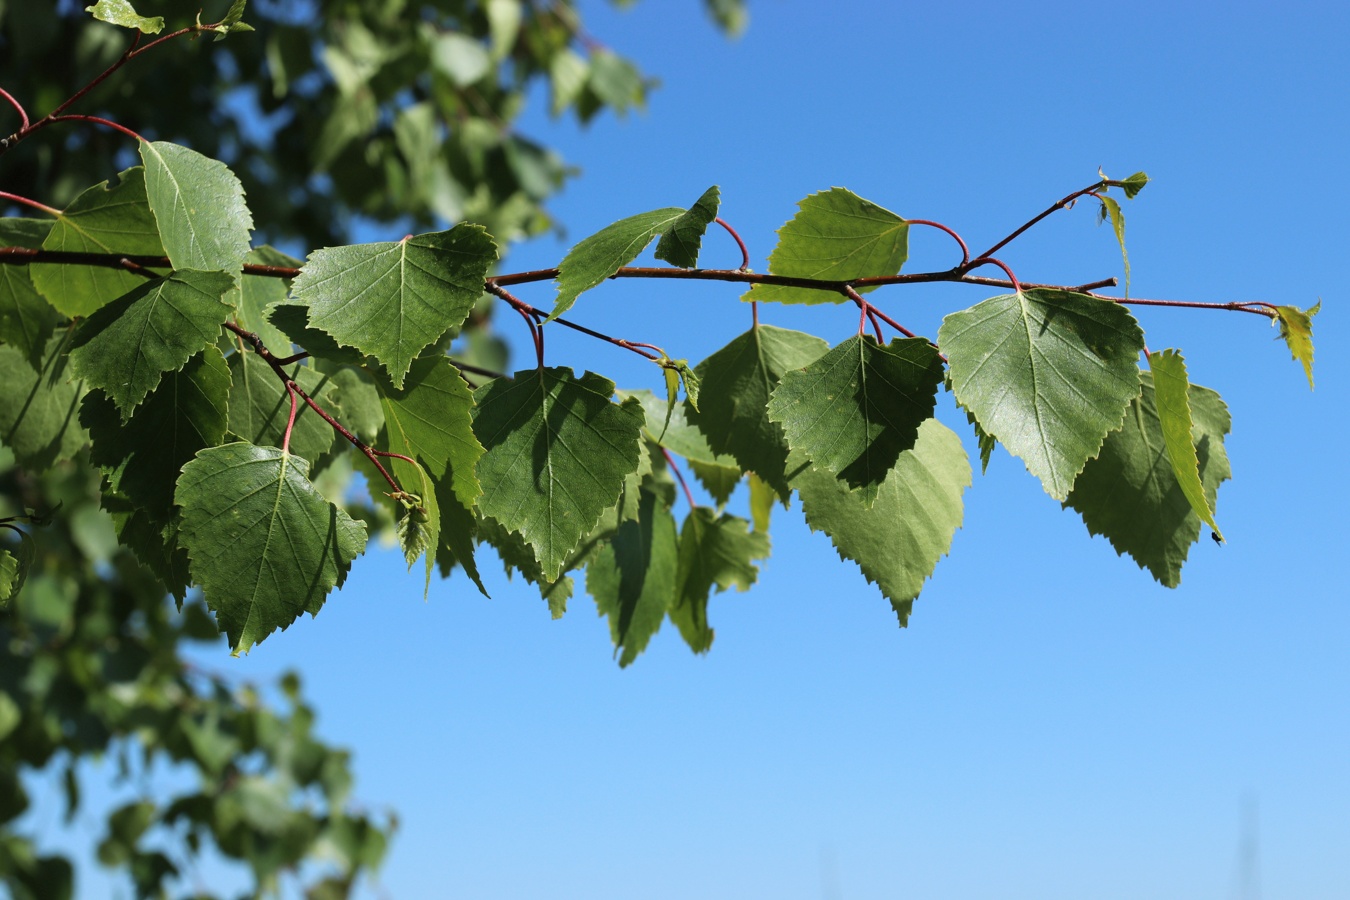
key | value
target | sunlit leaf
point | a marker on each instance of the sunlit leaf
(1171, 394)
(121, 12)
(199, 206)
(1296, 332)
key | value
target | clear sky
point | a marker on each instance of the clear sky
(1052, 724)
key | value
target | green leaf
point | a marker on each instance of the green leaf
(632, 577)
(431, 419)
(719, 481)
(730, 15)
(141, 457)
(99, 220)
(27, 320)
(419, 528)
(39, 411)
(199, 206)
(1111, 209)
(260, 407)
(898, 541)
(1130, 492)
(1047, 374)
(611, 248)
(126, 347)
(255, 293)
(681, 242)
(291, 319)
(761, 502)
(983, 439)
(677, 435)
(518, 557)
(14, 572)
(391, 300)
(232, 21)
(835, 236)
(120, 12)
(1131, 186)
(557, 451)
(1296, 332)
(738, 381)
(1171, 392)
(858, 407)
(718, 551)
(264, 544)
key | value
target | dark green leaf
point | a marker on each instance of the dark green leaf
(199, 206)
(898, 541)
(100, 220)
(737, 383)
(714, 551)
(1047, 374)
(260, 407)
(390, 300)
(39, 411)
(265, 546)
(557, 451)
(719, 481)
(858, 407)
(27, 320)
(126, 347)
(835, 236)
(1130, 492)
(141, 457)
(680, 243)
(632, 577)
(256, 293)
(291, 319)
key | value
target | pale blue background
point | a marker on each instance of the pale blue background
(1052, 724)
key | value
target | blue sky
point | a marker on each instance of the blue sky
(1052, 724)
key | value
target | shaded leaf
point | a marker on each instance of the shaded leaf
(99, 220)
(1047, 374)
(199, 206)
(718, 481)
(1171, 394)
(1296, 332)
(27, 320)
(857, 408)
(419, 528)
(557, 451)
(141, 457)
(390, 300)
(680, 243)
(676, 434)
(632, 577)
(255, 293)
(260, 407)
(835, 236)
(898, 541)
(738, 381)
(1130, 492)
(264, 545)
(39, 411)
(715, 551)
(126, 347)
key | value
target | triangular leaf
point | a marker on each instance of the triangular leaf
(632, 578)
(260, 406)
(391, 300)
(681, 242)
(128, 345)
(737, 383)
(898, 541)
(557, 451)
(39, 411)
(121, 12)
(1130, 493)
(27, 320)
(1171, 393)
(1296, 332)
(199, 207)
(611, 248)
(99, 220)
(858, 407)
(1047, 374)
(835, 236)
(265, 545)
(719, 481)
(141, 457)
(714, 551)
